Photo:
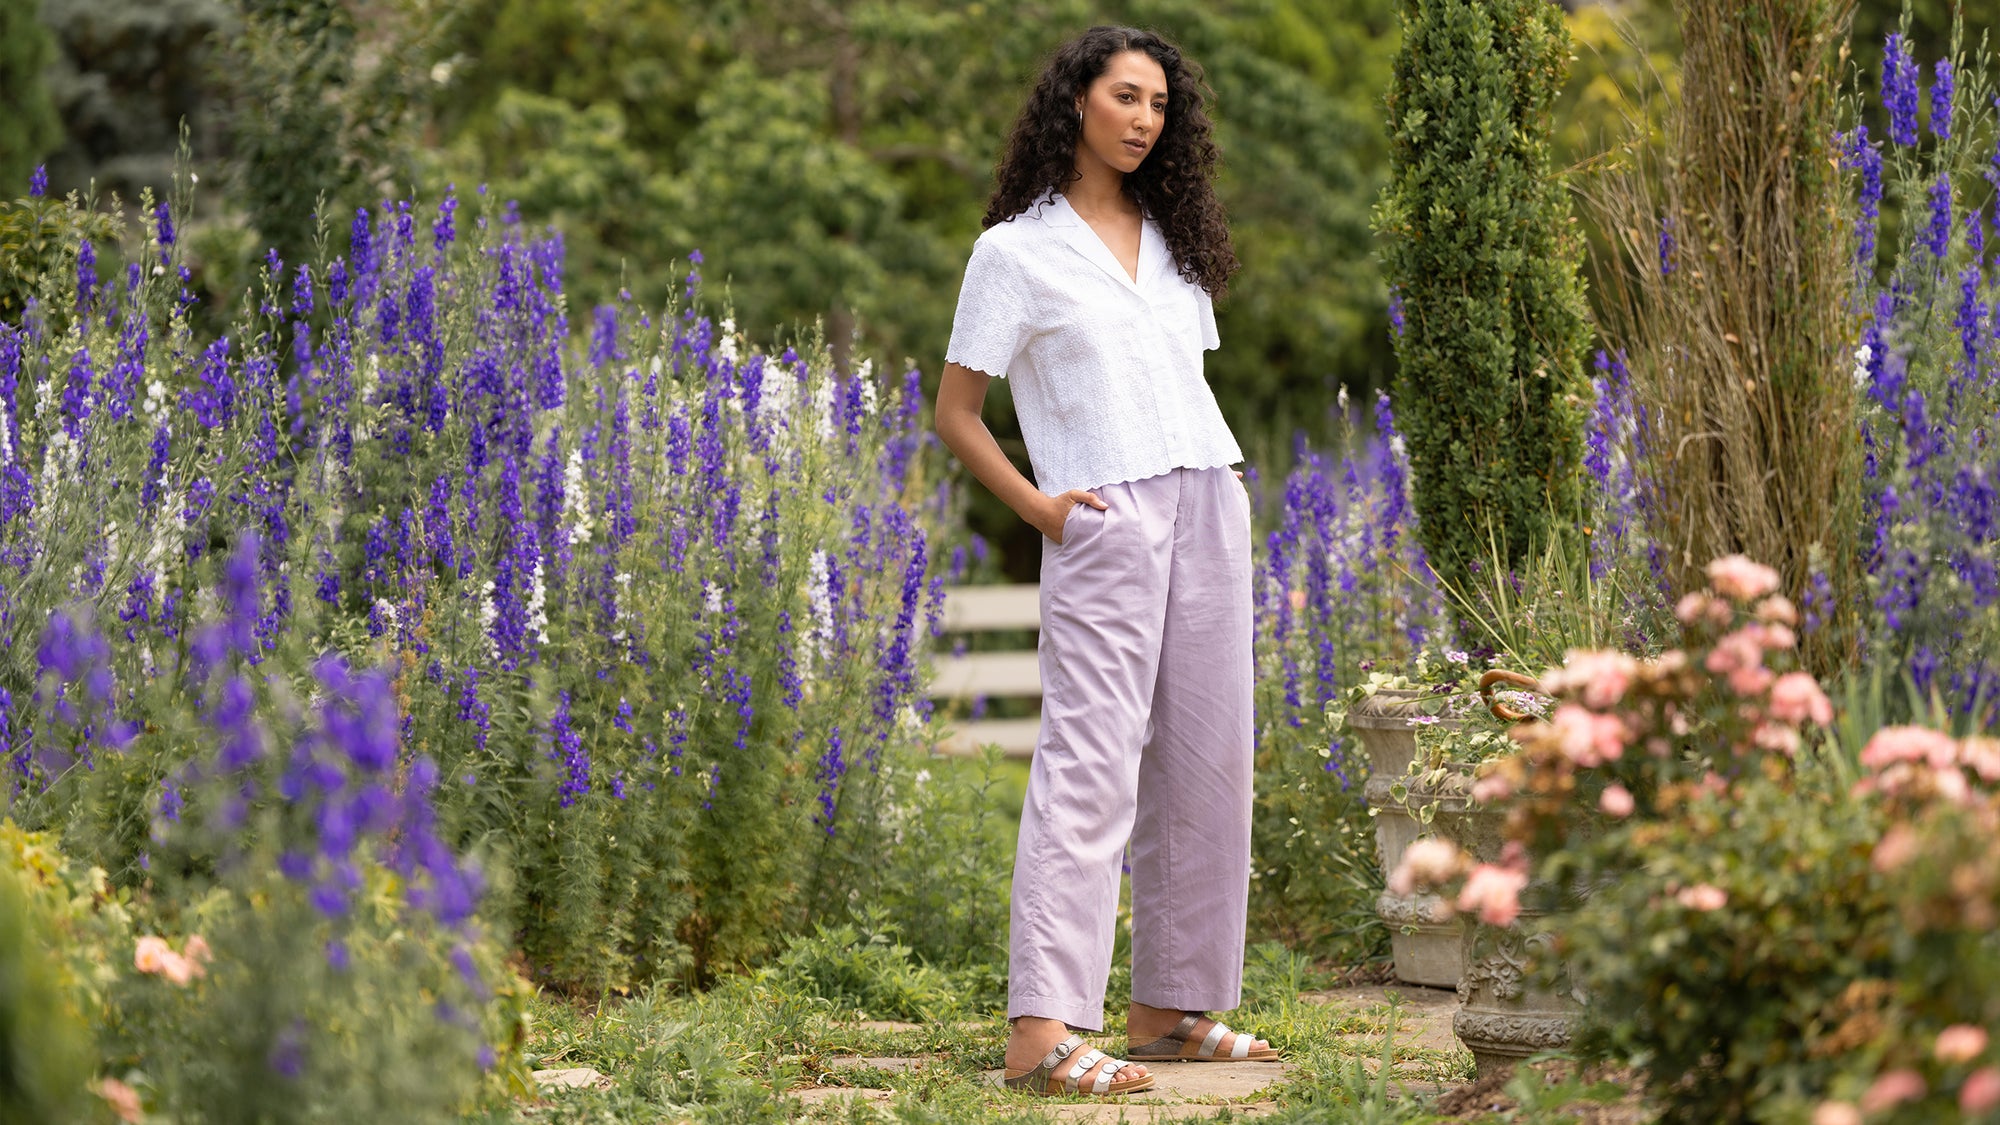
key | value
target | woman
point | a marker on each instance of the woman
(1091, 289)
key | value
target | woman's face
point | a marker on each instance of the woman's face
(1123, 111)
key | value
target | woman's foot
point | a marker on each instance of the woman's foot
(1164, 1033)
(1030, 1043)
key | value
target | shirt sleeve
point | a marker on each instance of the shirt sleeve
(991, 324)
(1210, 339)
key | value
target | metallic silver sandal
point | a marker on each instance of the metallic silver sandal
(1172, 1046)
(1044, 1080)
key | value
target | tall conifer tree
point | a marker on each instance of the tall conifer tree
(1483, 256)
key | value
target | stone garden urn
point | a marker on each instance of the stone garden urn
(1506, 1009)
(1425, 950)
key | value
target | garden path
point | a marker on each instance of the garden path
(1185, 1092)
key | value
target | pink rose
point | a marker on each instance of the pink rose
(1587, 738)
(1796, 698)
(1779, 609)
(1983, 755)
(1893, 1089)
(1495, 892)
(1616, 801)
(1959, 1043)
(1426, 863)
(1492, 787)
(1600, 676)
(1778, 637)
(124, 1099)
(1777, 737)
(177, 968)
(1908, 744)
(151, 954)
(1896, 847)
(1750, 680)
(1703, 897)
(1836, 1113)
(1691, 607)
(1981, 1091)
(196, 949)
(1736, 577)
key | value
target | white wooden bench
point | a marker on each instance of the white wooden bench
(984, 609)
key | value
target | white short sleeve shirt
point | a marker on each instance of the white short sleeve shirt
(1106, 371)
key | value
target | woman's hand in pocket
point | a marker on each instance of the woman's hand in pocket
(1053, 515)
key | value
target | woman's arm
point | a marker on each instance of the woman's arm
(961, 393)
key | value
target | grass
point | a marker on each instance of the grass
(746, 1050)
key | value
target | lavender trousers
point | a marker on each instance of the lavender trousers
(1146, 738)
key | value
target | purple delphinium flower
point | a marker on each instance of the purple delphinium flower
(1941, 101)
(832, 766)
(1937, 234)
(1899, 89)
(569, 754)
(1667, 246)
(1396, 312)
(1865, 157)
(38, 181)
(86, 274)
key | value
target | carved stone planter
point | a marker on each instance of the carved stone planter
(1425, 951)
(1503, 1014)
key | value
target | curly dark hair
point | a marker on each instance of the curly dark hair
(1174, 186)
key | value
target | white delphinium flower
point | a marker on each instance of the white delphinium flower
(711, 597)
(156, 398)
(819, 631)
(489, 614)
(537, 593)
(1396, 445)
(823, 407)
(867, 377)
(621, 588)
(6, 436)
(725, 343)
(576, 499)
(1862, 357)
(1340, 400)
(388, 611)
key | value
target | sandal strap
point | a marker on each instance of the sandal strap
(1105, 1076)
(1060, 1052)
(1186, 1027)
(1242, 1048)
(1215, 1033)
(1083, 1064)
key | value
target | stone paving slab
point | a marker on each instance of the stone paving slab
(1425, 1017)
(572, 1078)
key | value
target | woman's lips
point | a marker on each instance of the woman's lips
(1137, 148)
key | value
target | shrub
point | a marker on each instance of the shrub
(863, 970)
(44, 1048)
(1483, 258)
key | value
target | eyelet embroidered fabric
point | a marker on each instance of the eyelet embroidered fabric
(1106, 371)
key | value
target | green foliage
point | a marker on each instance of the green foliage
(30, 127)
(945, 872)
(1481, 251)
(1727, 1009)
(39, 240)
(44, 1049)
(865, 970)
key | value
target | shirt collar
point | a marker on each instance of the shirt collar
(1053, 210)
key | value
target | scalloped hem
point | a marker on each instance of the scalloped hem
(1139, 476)
(949, 358)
